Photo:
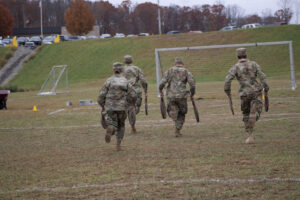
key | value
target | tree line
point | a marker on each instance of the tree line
(129, 18)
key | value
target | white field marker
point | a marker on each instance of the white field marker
(57, 111)
(156, 182)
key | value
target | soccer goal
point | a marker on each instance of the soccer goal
(55, 83)
(211, 63)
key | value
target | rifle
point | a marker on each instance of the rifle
(146, 104)
(195, 109)
(266, 97)
(163, 107)
(103, 122)
(230, 104)
(131, 115)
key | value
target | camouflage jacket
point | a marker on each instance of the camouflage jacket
(177, 77)
(135, 75)
(116, 93)
(246, 73)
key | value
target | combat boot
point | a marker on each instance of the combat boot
(119, 145)
(109, 133)
(133, 130)
(177, 133)
(250, 139)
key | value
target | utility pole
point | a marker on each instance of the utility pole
(158, 18)
(41, 13)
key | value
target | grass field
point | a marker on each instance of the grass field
(91, 60)
(5, 54)
(63, 155)
(59, 152)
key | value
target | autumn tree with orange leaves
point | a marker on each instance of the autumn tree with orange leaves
(79, 18)
(6, 22)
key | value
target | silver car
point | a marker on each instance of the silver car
(229, 28)
(49, 40)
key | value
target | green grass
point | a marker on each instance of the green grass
(41, 151)
(38, 150)
(92, 60)
(5, 54)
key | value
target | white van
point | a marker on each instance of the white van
(246, 26)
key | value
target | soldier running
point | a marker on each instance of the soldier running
(246, 72)
(177, 77)
(114, 96)
(135, 75)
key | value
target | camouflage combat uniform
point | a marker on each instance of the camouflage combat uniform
(137, 79)
(250, 91)
(114, 97)
(177, 77)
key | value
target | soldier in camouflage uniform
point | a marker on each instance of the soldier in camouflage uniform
(135, 75)
(246, 72)
(114, 97)
(177, 77)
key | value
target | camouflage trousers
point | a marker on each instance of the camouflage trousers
(138, 102)
(134, 107)
(251, 107)
(177, 109)
(115, 120)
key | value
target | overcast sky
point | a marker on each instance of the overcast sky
(249, 6)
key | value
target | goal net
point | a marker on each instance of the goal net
(211, 63)
(56, 82)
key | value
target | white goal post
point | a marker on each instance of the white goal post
(50, 85)
(289, 43)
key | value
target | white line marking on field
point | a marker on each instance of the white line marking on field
(57, 111)
(150, 182)
(265, 120)
(87, 108)
(280, 114)
(156, 123)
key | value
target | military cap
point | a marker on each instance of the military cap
(178, 60)
(241, 52)
(128, 59)
(117, 65)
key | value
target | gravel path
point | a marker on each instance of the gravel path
(14, 64)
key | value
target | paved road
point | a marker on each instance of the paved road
(14, 64)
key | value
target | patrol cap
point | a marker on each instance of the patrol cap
(241, 52)
(117, 65)
(179, 60)
(128, 59)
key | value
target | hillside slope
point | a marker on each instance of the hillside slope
(92, 60)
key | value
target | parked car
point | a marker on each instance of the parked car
(144, 34)
(49, 40)
(105, 35)
(64, 38)
(2, 44)
(7, 41)
(22, 40)
(92, 37)
(83, 37)
(246, 26)
(228, 28)
(119, 35)
(131, 35)
(36, 39)
(195, 32)
(30, 45)
(71, 38)
(173, 32)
